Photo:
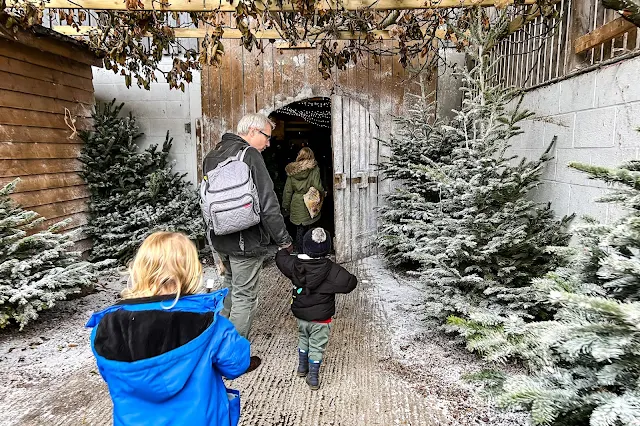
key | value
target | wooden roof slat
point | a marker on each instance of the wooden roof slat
(18, 100)
(25, 151)
(233, 33)
(36, 134)
(226, 6)
(50, 196)
(48, 41)
(22, 84)
(44, 181)
(23, 117)
(77, 220)
(64, 208)
(45, 59)
(17, 168)
(39, 72)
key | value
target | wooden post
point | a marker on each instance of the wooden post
(579, 25)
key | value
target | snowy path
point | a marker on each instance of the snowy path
(382, 368)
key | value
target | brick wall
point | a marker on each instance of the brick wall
(158, 110)
(594, 116)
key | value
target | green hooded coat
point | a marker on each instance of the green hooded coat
(301, 175)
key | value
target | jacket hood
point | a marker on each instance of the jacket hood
(232, 137)
(150, 350)
(300, 169)
(229, 145)
(308, 274)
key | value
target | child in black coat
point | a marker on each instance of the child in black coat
(316, 280)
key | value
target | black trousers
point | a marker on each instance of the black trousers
(300, 231)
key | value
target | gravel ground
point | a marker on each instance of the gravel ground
(383, 367)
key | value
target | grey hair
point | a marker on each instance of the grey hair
(253, 121)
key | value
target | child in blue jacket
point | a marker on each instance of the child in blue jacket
(163, 349)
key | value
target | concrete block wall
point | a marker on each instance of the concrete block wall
(448, 93)
(158, 110)
(594, 116)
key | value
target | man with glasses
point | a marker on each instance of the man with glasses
(242, 253)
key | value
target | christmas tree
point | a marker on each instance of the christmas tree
(477, 237)
(418, 143)
(592, 372)
(133, 192)
(36, 268)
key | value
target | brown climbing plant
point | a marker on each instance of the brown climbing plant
(133, 42)
(629, 9)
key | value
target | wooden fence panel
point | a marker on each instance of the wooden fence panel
(544, 50)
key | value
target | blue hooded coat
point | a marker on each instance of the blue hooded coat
(165, 366)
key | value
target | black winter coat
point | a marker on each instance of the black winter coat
(257, 238)
(315, 283)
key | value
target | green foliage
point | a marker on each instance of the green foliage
(37, 268)
(592, 367)
(463, 217)
(133, 192)
(418, 144)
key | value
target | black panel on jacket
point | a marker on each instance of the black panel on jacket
(134, 335)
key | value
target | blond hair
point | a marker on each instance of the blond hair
(305, 154)
(166, 263)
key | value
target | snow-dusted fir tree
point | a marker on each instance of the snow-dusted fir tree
(483, 240)
(592, 374)
(36, 268)
(416, 145)
(134, 192)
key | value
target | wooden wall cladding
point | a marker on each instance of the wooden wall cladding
(36, 144)
(262, 82)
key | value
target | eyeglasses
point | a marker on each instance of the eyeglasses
(269, 137)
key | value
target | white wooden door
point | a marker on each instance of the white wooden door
(355, 155)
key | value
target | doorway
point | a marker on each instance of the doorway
(345, 140)
(305, 123)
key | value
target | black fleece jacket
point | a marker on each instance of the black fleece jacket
(256, 239)
(315, 284)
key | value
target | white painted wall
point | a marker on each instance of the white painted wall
(594, 116)
(158, 110)
(448, 93)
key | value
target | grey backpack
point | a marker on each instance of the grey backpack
(229, 198)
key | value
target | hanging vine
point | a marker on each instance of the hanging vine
(133, 42)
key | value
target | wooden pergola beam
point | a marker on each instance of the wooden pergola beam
(233, 33)
(230, 6)
(603, 34)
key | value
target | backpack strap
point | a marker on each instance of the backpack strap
(242, 153)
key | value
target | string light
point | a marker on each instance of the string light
(324, 103)
(321, 118)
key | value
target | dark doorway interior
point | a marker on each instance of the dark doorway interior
(300, 124)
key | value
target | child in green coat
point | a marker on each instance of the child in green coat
(302, 175)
